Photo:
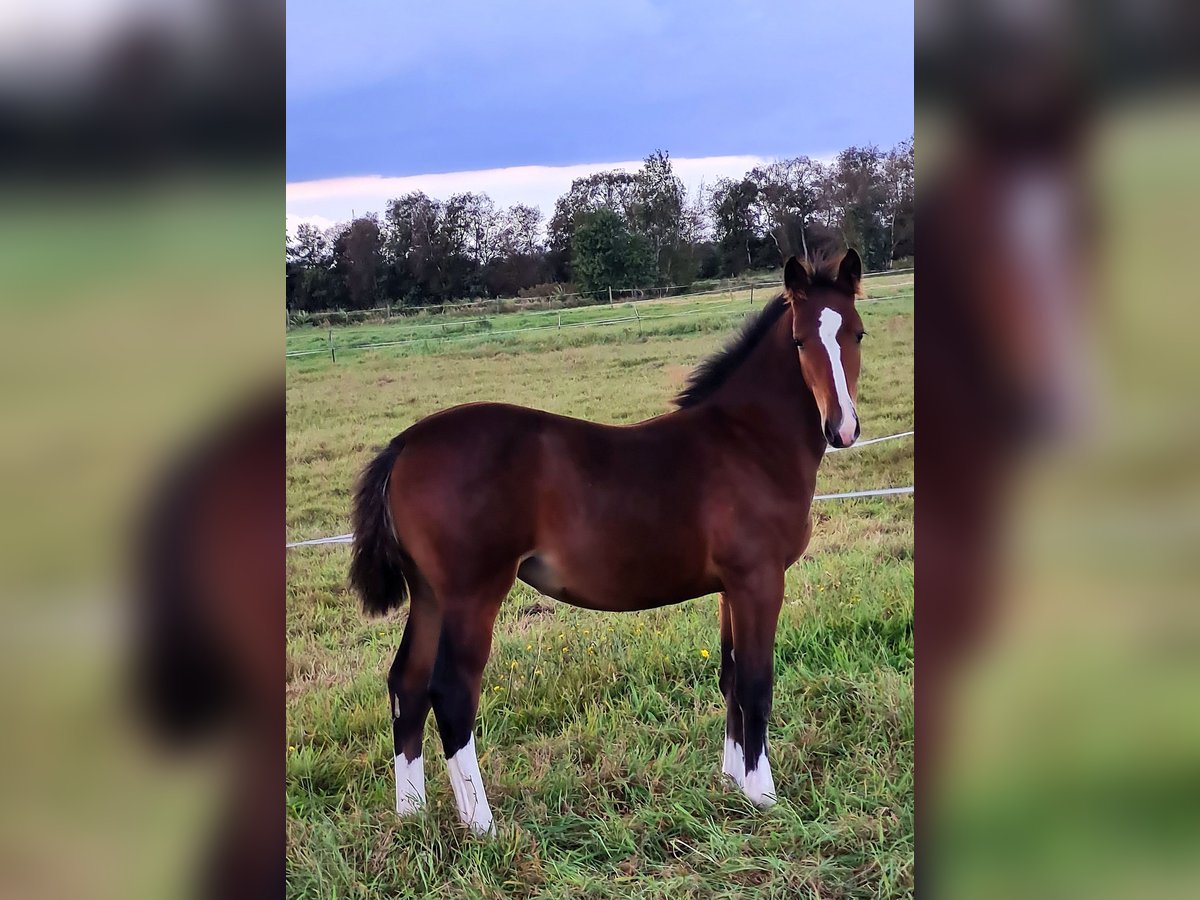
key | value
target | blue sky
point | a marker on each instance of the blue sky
(393, 88)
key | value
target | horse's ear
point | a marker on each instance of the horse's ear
(850, 271)
(796, 279)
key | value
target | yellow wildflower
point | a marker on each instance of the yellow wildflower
(704, 652)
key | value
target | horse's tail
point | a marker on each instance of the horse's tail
(377, 560)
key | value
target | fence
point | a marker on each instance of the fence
(845, 495)
(448, 337)
(613, 295)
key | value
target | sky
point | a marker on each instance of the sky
(517, 97)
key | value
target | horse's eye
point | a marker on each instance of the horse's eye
(799, 344)
(860, 336)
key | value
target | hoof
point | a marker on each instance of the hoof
(762, 801)
(409, 806)
(760, 787)
(482, 829)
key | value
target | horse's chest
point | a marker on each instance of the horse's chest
(753, 529)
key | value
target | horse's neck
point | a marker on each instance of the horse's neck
(769, 398)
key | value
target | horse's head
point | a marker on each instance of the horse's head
(827, 331)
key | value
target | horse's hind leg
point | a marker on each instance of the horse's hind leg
(734, 764)
(466, 642)
(408, 692)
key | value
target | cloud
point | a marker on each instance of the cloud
(329, 200)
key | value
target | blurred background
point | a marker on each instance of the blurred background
(141, 211)
(1057, 578)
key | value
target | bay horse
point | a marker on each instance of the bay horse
(713, 496)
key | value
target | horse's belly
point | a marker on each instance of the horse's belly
(615, 581)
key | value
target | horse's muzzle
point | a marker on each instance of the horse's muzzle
(841, 437)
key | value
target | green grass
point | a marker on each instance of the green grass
(429, 331)
(600, 735)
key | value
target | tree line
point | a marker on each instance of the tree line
(610, 229)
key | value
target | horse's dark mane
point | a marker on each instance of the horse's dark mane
(713, 372)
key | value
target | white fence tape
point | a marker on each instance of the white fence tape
(338, 539)
(649, 291)
(890, 437)
(878, 492)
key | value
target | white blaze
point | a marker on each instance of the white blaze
(410, 785)
(829, 323)
(467, 784)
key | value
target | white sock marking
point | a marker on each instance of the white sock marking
(829, 323)
(734, 764)
(467, 784)
(760, 786)
(410, 785)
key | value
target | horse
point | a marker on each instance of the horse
(206, 654)
(711, 497)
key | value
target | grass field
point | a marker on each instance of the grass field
(600, 735)
(428, 331)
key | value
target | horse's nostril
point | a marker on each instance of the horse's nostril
(832, 436)
(857, 429)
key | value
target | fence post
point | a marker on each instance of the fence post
(639, 318)
(610, 303)
(752, 293)
(560, 321)
(332, 354)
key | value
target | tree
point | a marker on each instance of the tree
(615, 191)
(519, 230)
(860, 197)
(417, 249)
(899, 176)
(788, 199)
(309, 257)
(657, 213)
(473, 226)
(358, 261)
(638, 228)
(732, 205)
(606, 253)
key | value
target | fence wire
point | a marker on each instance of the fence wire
(846, 495)
(447, 338)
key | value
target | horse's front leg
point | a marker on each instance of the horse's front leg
(734, 761)
(754, 598)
